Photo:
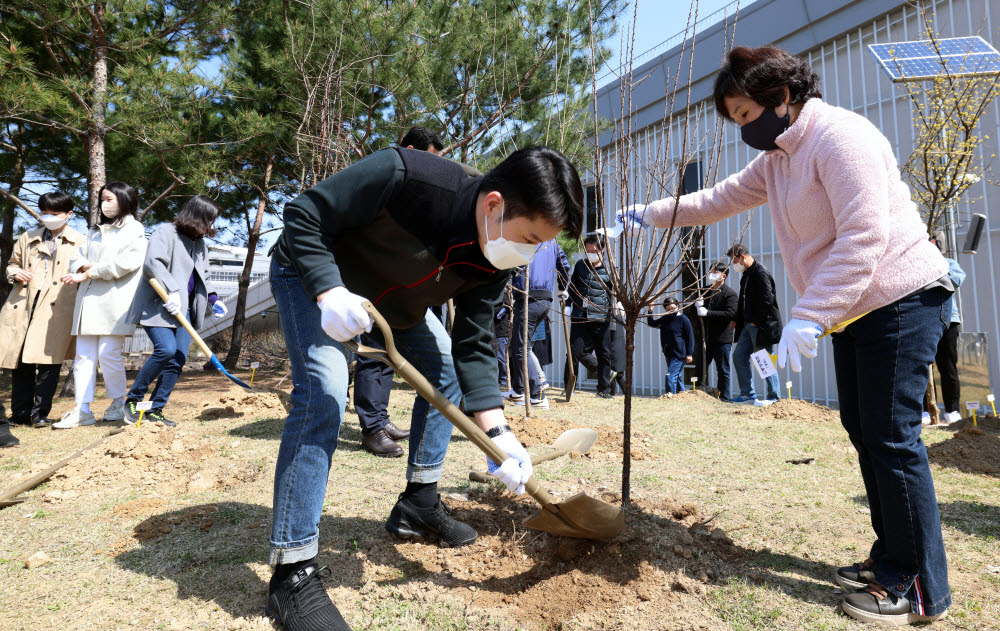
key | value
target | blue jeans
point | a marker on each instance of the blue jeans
(502, 361)
(675, 375)
(882, 363)
(537, 310)
(170, 349)
(745, 346)
(309, 438)
(719, 353)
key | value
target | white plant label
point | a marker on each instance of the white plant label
(694, 380)
(989, 397)
(142, 406)
(788, 384)
(762, 362)
(971, 405)
(255, 365)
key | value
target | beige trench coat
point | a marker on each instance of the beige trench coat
(36, 319)
(115, 254)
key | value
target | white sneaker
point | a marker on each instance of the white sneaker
(74, 418)
(925, 418)
(513, 397)
(535, 403)
(115, 412)
(953, 417)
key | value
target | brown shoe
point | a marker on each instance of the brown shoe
(381, 445)
(395, 433)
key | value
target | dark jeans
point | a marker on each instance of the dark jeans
(745, 346)
(588, 337)
(170, 349)
(502, 361)
(947, 364)
(537, 309)
(372, 385)
(32, 389)
(882, 364)
(719, 354)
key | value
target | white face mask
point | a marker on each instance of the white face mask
(503, 253)
(110, 209)
(714, 277)
(54, 222)
(593, 257)
(739, 267)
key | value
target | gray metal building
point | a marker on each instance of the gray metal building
(833, 37)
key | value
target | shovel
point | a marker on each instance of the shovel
(579, 516)
(197, 338)
(570, 368)
(579, 440)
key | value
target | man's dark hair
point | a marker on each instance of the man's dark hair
(55, 202)
(128, 202)
(737, 249)
(196, 217)
(668, 301)
(763, 74)
(538, 182)
(421, 138)
(721, 266)
(595, 238)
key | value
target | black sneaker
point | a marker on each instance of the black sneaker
(131, 414)
(605, 395)
(6, 438)
(40, 421)
(156, 416)
(300, 602)
(875, 604)
(857, 576)
(434, 525)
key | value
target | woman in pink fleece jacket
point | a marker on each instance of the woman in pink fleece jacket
(853, 244)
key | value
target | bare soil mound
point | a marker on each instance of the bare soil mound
(692, 395)
(794, 410)
(167, 460)
(971, 449)
(666, 552)
(239, 402)
(538, 433)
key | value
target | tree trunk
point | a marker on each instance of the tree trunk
(525, 380)
(98, 130)
(630, 323)
(239, 316)
(16, 179)
(930, 400)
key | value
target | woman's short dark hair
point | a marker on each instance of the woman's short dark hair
(421, 138)
(128, 202)
(763, 74)
(721, 266)
(55, 202)
(537, 183)
(595, 238)
(196, 217)
(669, 301)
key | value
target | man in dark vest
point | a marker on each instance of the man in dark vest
(406, 230)
(758, 321)
(717, 311)
(590, 325)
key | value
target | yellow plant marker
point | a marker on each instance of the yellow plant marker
(694, 383)
(972, 406)
(142, 407)
(990, 398)
(253, 370)
(788, 386)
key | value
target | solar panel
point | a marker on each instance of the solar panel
(920, 61)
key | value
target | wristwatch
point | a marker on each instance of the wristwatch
(496, 431)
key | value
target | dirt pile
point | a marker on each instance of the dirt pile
(692, 395)
(167, 460)
(971, 449)
(537, 434)
(239, 402)
(794, 410)
(666, 552)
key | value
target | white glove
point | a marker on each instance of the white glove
(798, 338)
(564, 294)
(343, 314)
(699, 303)
(568, 311)
(632, 217)
(702, 311)
(173, 303)
(515, 470)
(219, 310)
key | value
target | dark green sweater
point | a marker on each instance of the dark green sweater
(398, 228)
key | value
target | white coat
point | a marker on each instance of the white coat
(115, 254)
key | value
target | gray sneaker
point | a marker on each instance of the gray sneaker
(114, 413)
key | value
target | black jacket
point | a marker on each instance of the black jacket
(590, 292)
(398, 227)
(758, 304)
(721, 305)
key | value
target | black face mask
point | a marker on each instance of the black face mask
(761, 132)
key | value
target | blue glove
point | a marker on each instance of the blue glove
(633, 217)
(219, 309)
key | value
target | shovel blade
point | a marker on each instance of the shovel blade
(580, 516)
(218, 366)
(579, 439)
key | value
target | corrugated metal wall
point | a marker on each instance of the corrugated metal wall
(850, 79)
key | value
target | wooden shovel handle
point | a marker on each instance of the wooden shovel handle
(158, 288)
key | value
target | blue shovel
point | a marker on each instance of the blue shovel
(197, 338)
